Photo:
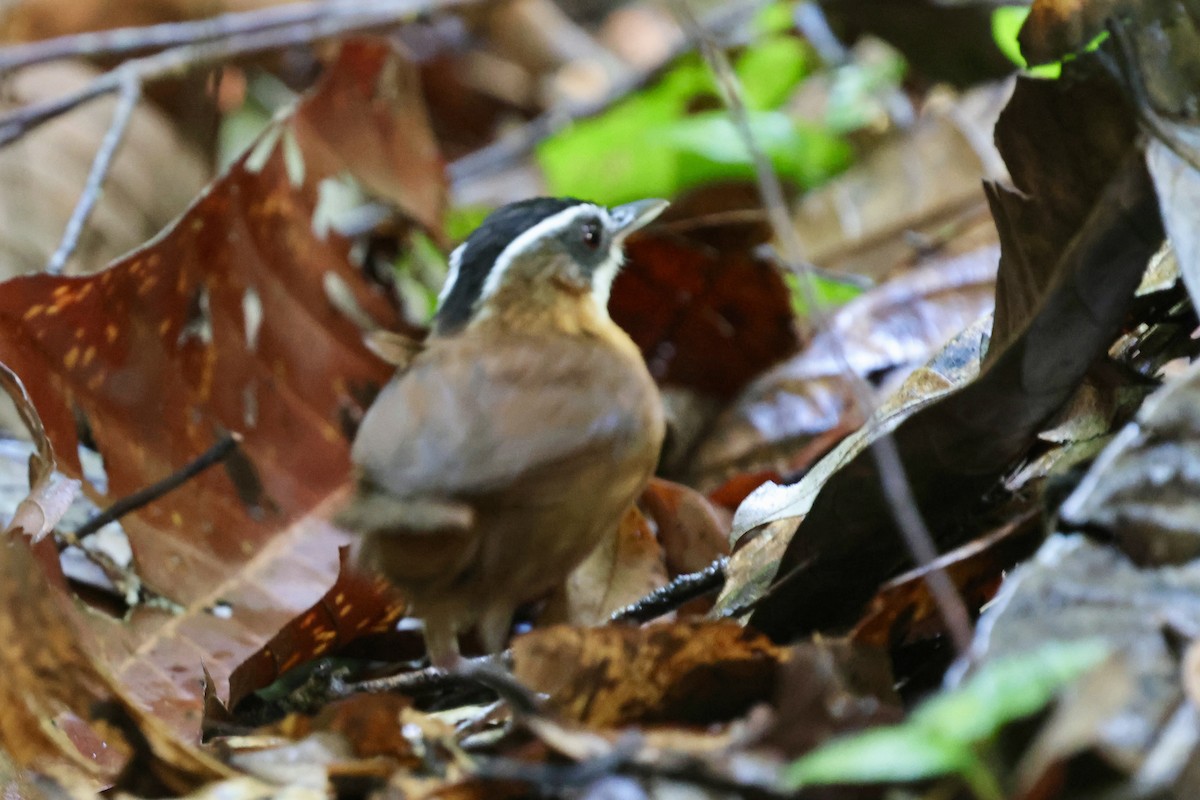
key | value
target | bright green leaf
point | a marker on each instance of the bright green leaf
(800, 153)
(1007, 689)
(1006, 25)
(652, 145)
(774, 18)
(830, 293)
(900, 753)
(770, 70)
(461, 220)
(941, 737)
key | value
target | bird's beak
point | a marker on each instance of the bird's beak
(631, 216)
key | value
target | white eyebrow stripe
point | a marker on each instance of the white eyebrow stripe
(451, 274)
(546, 228)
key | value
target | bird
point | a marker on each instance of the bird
(515, 438)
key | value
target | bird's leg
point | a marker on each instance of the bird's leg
(441, 644)
(494, 625)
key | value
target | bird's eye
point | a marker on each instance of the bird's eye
(591, 234)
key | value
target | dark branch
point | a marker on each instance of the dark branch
(211, 457)
(674, 594)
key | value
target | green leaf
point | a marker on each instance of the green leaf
(462, 220)
(859, 90)
(899, 753)
(830, 292)
(1006, 25)
(1007, 689)
(942, 736)
(774, 18)
(651, 145)
(770, 70)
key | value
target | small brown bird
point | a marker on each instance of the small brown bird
(518, 436)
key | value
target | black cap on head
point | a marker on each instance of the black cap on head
(473, 260)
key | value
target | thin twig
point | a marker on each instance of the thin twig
(127, 100)
(670, 597)
(209, 458)
(896, 489)
(123, 41)
(422, 681)
(343, 17)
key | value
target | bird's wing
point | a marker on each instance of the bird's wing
(471, 416)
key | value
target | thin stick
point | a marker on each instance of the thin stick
(425, 680)
(343, 17)
(127, 100)
(123, 41)
(211, 457)
(893, 480)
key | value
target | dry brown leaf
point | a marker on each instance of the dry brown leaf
(903, 610)
(27, 20)
(1097, 594)
(693, 533)
(226, 324)
(890, 329)
(693, 672)
(57, 704)
(1076, 236)
(50, 494)
(828, 687)
(358, 604)
(914, 187)
(624, 568)
(43, 176)
(1057, 27)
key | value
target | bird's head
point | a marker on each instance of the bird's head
(534, 253)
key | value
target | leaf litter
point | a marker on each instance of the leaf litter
(711, 704)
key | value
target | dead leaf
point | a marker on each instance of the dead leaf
(693, 672)
(766, 520)
(44, 175)
(223, 324)
(1057, 27)
(1083, 208)
(707, 317)
(945, 42)
(903, 611)
(29, 20)
(62, 711)
(873, 219)
(1098, 594)
(891, 328)
(1177, 181)
(624, 568)
(357, 605)
(51, 685)
(1142, 488)
(50, 494)
(828, 687)
(691, 531)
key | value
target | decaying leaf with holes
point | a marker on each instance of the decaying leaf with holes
(229, 322)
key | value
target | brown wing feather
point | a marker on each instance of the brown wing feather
(472, 414)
